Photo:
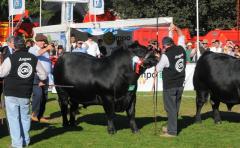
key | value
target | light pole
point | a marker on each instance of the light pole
(197, 15)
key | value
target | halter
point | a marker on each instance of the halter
(139, 62)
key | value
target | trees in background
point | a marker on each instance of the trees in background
(212, 13)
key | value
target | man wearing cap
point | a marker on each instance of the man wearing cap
(18, 71)
(40, 92)
(204, 46)
(172, 64)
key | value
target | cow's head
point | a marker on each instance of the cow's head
(144, 57)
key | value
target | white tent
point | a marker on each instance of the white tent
(118, 24)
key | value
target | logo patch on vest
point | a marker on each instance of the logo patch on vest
(24, 70)
(179, 65)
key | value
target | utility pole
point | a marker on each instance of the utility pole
(238, 18)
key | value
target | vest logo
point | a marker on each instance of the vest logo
(179, 66)
(25, 70)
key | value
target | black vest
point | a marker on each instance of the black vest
(174, 75)
(19, 81)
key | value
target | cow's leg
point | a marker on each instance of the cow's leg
(63, 103)
(73, 108)
(201, 98)
(108, 106)
(131, 114)
(216, 114)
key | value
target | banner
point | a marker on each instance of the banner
(16, 7)
(145, 81)
(96, 7)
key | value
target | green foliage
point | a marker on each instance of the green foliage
(4, 10)
(212, 13)
(31, 5)
(34, 5)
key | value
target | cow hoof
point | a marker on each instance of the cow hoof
(73, 124)
(218, 122)
(136, 131)
(65, 124)
(198, 119)
(111, 132)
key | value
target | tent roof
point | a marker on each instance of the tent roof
(142, 22)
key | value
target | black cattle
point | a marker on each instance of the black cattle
(217, 75)
(109, 81)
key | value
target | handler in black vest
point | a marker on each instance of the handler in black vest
(172, 64)
(18, 71)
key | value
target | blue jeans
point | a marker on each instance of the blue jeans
(18, 116)
(39, 98)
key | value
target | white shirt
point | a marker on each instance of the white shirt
(93, 48)
(164, 62)
(217, 50)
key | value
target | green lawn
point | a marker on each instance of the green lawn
(91, 130)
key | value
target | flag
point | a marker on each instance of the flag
(16, 7)
(96, 7)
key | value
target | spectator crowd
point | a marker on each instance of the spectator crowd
(216, 46)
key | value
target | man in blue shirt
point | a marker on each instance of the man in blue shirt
(40, 91)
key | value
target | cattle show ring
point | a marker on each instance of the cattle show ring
(105, 103)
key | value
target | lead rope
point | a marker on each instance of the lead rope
(155, 104)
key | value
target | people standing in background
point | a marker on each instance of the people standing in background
(216, 47)
(18, 89)
(188, 52)
(29, 43)
(93, 48)
(73, 42)
(237, 51)
(40, 91)
(9, 49)
(204, 46)
(60, 50)
(102, 48)
(6, 51)
(81, 47)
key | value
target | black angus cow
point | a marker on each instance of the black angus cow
(109, 81)
(216, 75)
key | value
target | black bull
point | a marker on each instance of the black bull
(110, 81)
(218, 75)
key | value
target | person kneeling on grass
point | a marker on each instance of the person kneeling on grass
(18, 71)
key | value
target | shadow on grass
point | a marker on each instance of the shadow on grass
(3, 128)
(55, 115)
(50, 131)
(51, 99)
(226, 116)
(121, 121)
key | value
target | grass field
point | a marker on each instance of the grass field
(91, 130)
